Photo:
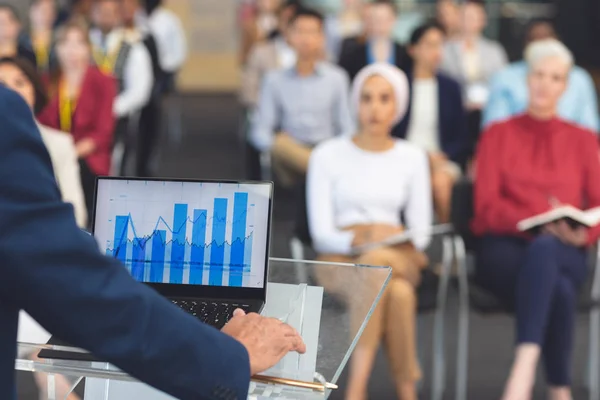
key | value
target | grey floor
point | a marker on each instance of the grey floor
(211, 148)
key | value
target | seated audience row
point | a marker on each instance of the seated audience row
(367, 187)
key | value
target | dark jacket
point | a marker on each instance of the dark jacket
(454, 140)
(354, 58)
(55, 272)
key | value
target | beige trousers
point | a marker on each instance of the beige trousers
(289, 158)
(394, 319)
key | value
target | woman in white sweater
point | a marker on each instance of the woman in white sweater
(357, 189)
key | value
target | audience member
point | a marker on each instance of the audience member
(274, 53)
(10, 29)
(349, 43)
(307, 103)
(509, 94)
(346, 24)
(525, 166)
(150, 116)
(18, 74)
(473, 60)
(380, 45)
(170, 38)
(80, 10)
(357, 189)
(42, 18)
(126, 59)
(81, 103)
(436, 119)
(260, 25)
(448, 16)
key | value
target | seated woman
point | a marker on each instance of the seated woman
(524, 167)
(81, 101)
(18, 74)
(436, 120)
(357, 188)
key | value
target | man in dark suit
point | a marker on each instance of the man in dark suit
(55, 272)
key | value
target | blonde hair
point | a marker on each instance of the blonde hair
(541, 50)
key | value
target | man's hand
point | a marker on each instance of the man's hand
(267, 340)
(85, 147)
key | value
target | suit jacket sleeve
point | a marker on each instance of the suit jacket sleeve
(56, 273)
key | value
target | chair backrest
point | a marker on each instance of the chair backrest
(462, 210)
(301, 229)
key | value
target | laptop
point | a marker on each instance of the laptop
(204, 245)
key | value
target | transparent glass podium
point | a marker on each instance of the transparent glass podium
(328, 303)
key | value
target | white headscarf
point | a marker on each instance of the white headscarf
(390, 73)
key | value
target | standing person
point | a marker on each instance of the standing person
(472, 60)
(150, 116)
(436, 118)
(10, 30)
(521, 163)
(289, 126)
(91, 300)
(42, 18)
(380, 45)
(81, 103)
(170, 38)
(509, 94)
(127, 60)
(357, 188)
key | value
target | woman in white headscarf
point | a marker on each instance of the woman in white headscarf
(362, 190)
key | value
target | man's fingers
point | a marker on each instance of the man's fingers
(238, 312)
(298, 344)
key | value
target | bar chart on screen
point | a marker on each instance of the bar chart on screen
(161, 238)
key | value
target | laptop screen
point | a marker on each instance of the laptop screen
(184, 232)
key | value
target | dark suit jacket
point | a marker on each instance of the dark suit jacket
(453, 134)
(354, 58)
(55, 272)
(93, 117)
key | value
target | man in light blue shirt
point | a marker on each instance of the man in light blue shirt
(509, 95)
(300, 107)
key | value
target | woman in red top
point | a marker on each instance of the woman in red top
(81, 100)
(525, 166)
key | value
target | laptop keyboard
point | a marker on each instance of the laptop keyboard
(213, 313)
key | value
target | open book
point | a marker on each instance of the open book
(574, 217)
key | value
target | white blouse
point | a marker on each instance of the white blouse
(66, 169)
(423, 129)
(348, 186)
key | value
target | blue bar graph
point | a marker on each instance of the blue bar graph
(178, 245)
(217, 254)
(165, 252)
(198, 247)
(157, 264)
(120, 242)
(138, 259)
(238, 239)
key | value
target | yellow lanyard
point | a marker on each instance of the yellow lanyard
(42, 55)
(66, 107)
(106, 61)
